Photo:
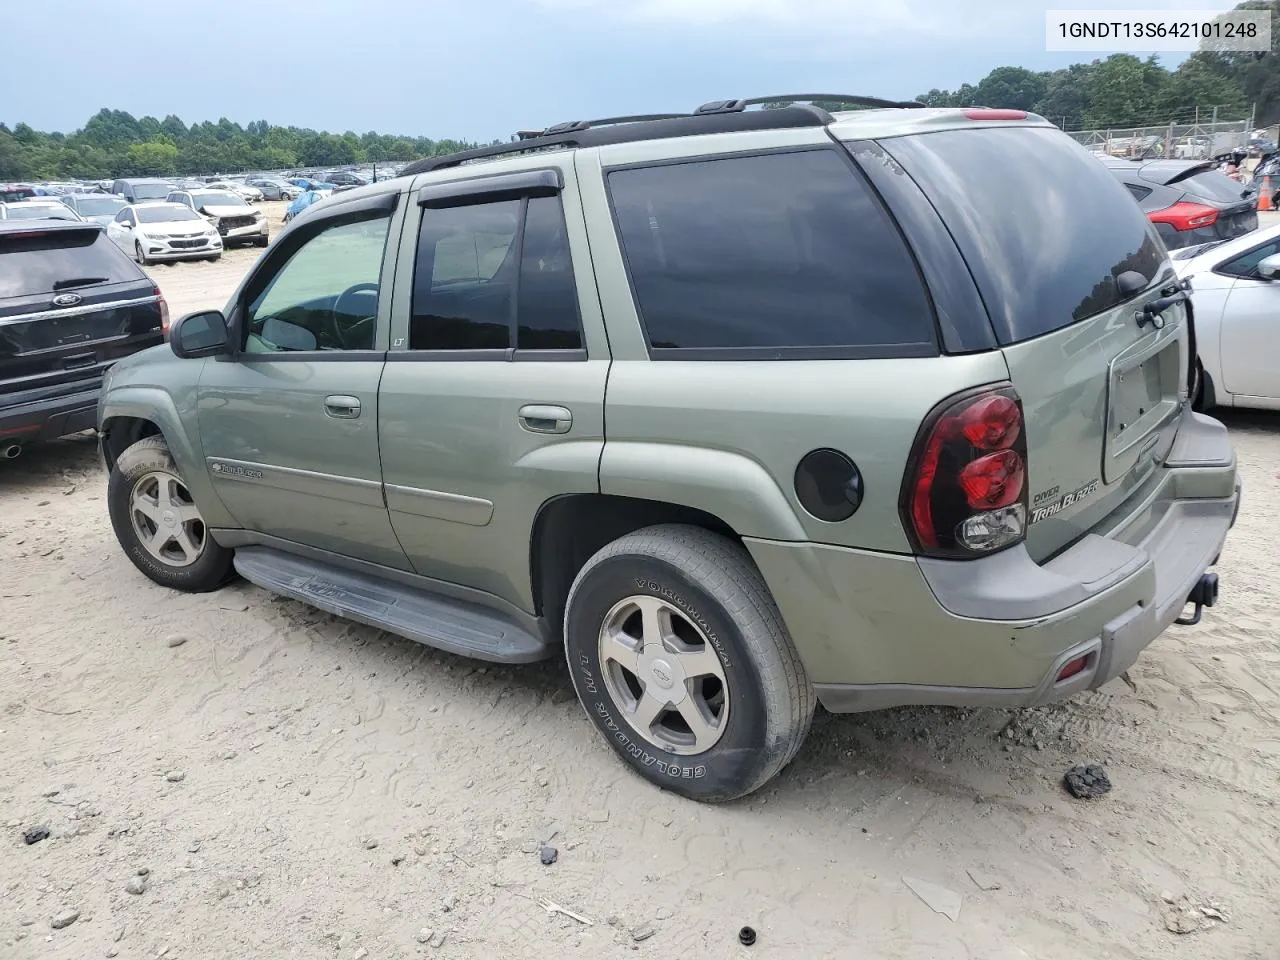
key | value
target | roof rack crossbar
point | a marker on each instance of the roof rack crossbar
(856, 99)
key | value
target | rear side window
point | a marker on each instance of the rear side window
(783, 254)
(59, 260)
(492, 276)
(1139, 193)
(1044, 227)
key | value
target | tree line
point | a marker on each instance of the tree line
(114, 143)
(1127, 91)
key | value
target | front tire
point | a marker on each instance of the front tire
(138, 255)
(159, 525)
(680, 657)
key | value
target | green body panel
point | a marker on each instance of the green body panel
(1070, 403)
(726, 437)
(465, 479)
(155, 385)
(308, 477)
(866, 618)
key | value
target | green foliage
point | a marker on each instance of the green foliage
(114, 143)
(1127, 91)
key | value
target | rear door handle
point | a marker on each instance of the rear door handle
(544, 418)
(342, 408)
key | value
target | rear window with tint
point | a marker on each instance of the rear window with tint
(1045, 228)
(1213, 186)
(776, 255)
(33, 264)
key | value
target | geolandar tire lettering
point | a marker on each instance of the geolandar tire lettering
(681, 660)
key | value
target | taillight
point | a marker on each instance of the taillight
(1186, 216)
(164, 311)
(965, 493)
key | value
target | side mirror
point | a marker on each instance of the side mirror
(203, 334)
(1269, 267)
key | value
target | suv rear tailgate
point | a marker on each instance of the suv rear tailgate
(1064, 261)
(70, 305)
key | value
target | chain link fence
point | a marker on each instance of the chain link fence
(1182, 141)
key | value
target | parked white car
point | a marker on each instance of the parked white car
(251, 194)
(1235, 289)
(44, 208)
(154, 232)
(235, 220)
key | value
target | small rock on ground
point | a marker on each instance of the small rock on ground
(64, 919)
(1087, 782)
(35, 835)
(136, 886)
(642, 932)
(175, 776)
(548, 855)
(176, 641)
(425, 935)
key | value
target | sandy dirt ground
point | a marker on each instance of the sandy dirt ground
(236, 775)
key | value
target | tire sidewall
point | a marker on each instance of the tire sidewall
(728, 768)
(205, 573)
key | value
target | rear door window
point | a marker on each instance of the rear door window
(50, 260)
(1044, 227)
(774, 255)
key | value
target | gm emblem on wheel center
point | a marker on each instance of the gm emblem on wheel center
(661, 671)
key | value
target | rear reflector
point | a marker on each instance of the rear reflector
(1073, 667)
(989, 113)
(1186, 216)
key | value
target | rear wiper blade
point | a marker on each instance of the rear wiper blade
(78, 282)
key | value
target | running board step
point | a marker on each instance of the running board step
(467, 629)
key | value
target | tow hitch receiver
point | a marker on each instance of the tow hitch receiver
(1203, 594)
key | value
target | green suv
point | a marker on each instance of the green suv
(744, 409)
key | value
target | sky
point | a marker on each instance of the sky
(481, 69)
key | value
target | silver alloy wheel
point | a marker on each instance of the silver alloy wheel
(166, 520)
(664, 675)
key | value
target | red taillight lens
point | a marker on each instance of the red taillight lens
(965, 493)
(1185, 216)
(992, 423)
(993, 481)
(164, 311)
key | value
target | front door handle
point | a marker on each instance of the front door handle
(342, 408)
(544, 418)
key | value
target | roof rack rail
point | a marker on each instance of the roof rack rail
(855, 99)
(716, 116)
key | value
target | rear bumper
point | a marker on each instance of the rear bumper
(50, 418)
(877, 630)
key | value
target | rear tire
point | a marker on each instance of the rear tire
(158, 524)
(261, 241)
(714, 701)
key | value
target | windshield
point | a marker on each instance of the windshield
(99, 206)
(168, 213)
(217, 198)
(151, 191)
(39, 211)
(997, 187)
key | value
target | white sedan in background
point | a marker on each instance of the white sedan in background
(1235, 288)
(40, 208)
(155, 232)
